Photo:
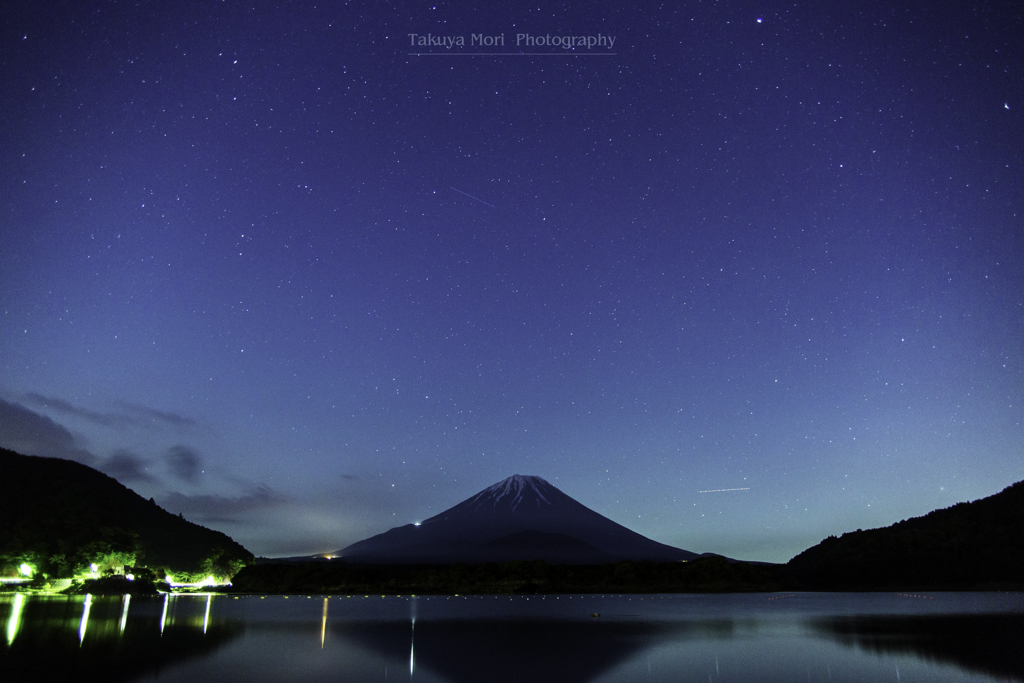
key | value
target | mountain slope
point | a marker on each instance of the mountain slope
(519, 518)
(965, 546)
(60, 516)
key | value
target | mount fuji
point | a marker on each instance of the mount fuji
(520, 518)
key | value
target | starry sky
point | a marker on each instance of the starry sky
(749, 276)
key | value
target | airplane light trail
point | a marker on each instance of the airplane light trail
(722, 490)
(472, 197)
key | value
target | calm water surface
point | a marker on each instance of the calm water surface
(759, 637)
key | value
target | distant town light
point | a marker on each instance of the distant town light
(415, 523)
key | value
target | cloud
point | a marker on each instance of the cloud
(210, 508)
(126, 466)
(133, 415)
(145, 415)
(184, 463)
(105, 419)
(30, 433)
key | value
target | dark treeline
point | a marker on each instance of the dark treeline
(706, 574)
(969, 546)
(61, 516)
(711, 574)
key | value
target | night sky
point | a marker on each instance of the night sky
(750, 276)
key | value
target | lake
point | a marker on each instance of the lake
(566, 638)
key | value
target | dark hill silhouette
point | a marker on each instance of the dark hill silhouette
(520, 518)
(968, 545)
(60, 516)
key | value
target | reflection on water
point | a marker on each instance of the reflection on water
(14, 620)
(116, 638)
(323, 626)
(124, 613)
(85, 619)
(816, 637)
(986, 643)
(513, 650)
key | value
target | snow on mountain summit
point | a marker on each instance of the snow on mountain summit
(517, 486)
(513, 497)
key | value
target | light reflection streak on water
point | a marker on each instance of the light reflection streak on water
(124, 611)
(412, 638)
(14, 621)
(163, 615)
(85, 618)
(323, 626)
(206, 617)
